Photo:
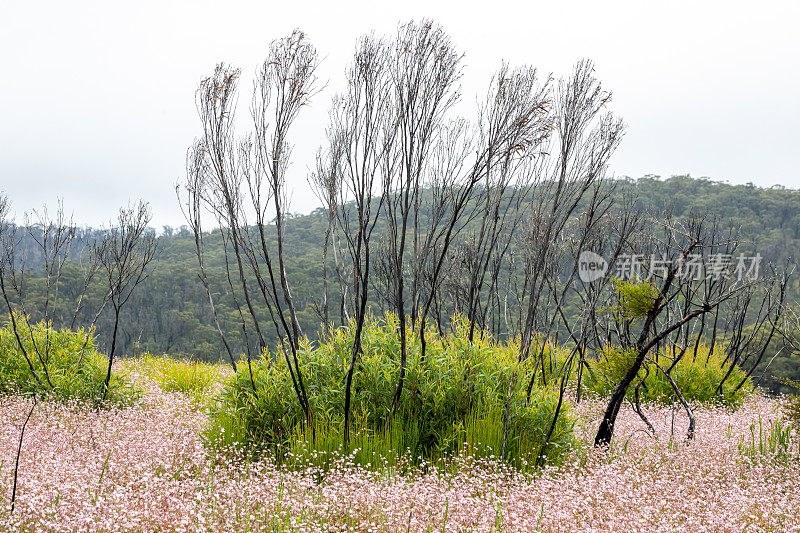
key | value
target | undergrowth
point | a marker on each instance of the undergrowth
(775, 442)
(66, 366)
(697, 375)
(194, 378)
(453, 401)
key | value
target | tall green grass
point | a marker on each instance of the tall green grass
(453, 401)
(774, 442)
(75, 370)
(194, 378)
(697, 377)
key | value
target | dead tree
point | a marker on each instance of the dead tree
(513, 124)
(424, 69)
(584, 231)
(576, 160)
(325, 182)
(222, 193)
(49, 249)
(8, 272)
(584, 139)
(484, 252)
(237, 177)
(191, 206)
(753, 322)
(596, 227)
(687, 283)
(362, 121)
(125, 256)
(217, 185)
(52, 239)
(284, 84)
(616, 228)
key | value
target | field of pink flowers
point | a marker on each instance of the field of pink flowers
(145, 469)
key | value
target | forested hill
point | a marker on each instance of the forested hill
(769, 218)
(170, 312)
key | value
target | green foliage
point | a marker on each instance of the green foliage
(452, 400)
(73, 372)
(773, 443)
(697, 376)
(190, 377)
(609, 369)
(170, 314)
(636, 298)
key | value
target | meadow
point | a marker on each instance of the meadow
(480, 329)
(146, 467)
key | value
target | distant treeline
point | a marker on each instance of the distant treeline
(170, 313)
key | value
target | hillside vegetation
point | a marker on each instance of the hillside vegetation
(170, 314)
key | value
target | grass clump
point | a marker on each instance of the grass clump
(697, 376)
(772, 443)
(193, 378)
(453, 401)
(66, 361)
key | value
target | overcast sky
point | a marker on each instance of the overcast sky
(97, 98)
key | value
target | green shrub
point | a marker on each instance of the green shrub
(193, 378)
(452, 400)
(74, 368)
(635, 298)
(608, 370)
(697, 377)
